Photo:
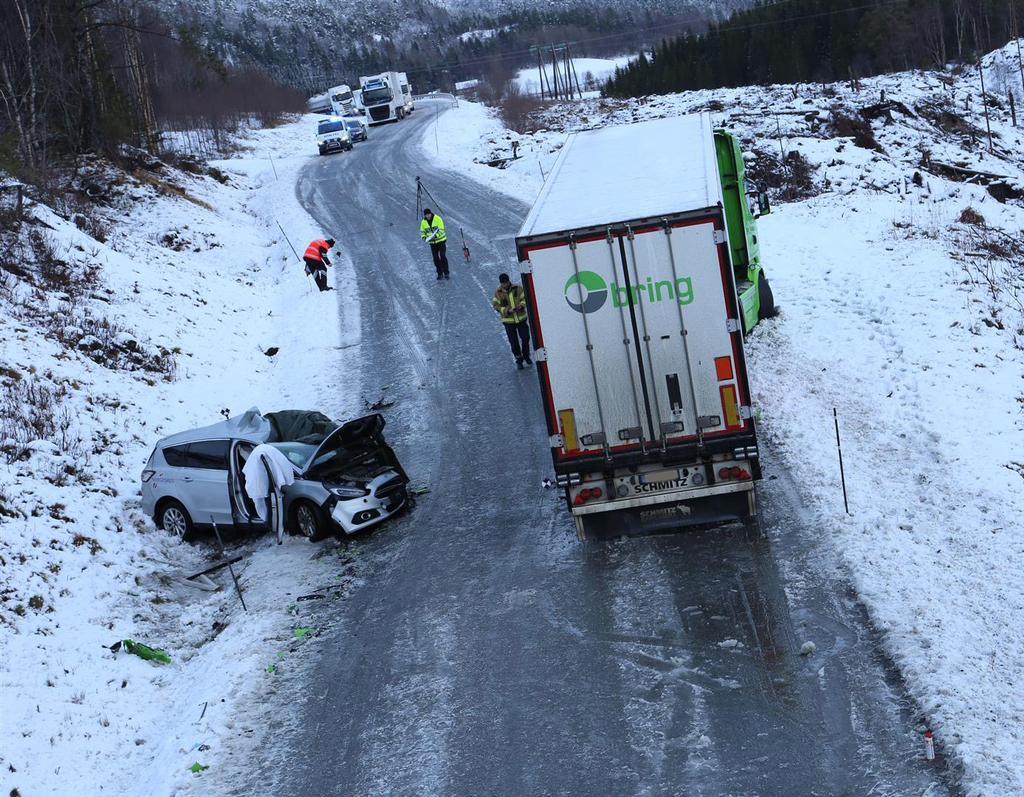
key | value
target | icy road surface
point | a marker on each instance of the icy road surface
(490, 653)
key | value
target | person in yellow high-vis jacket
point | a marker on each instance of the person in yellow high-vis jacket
(510, 303)
(432, 231)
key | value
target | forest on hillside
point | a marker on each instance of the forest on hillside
(821, 41)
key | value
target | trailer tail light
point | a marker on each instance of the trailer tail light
(567, 420)
(734, 473)
(586, 494)
(730, 408)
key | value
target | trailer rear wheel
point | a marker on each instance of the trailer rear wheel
(766, 300)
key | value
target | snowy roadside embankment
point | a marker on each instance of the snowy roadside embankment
(897, 267)
(166, 314)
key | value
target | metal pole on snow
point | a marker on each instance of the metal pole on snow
(842, 473)
(231, 570)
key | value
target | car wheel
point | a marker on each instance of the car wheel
(174, 518)
(308, 520)
(766, 300)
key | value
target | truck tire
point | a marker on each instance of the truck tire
(766, 299)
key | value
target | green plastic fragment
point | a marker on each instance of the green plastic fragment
(271, 668)
(197, 767)
(146, 652)
(301, 632)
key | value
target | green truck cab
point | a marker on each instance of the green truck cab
(743, 207)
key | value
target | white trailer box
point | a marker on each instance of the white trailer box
(634, 314)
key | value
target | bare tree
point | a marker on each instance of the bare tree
(23, 24)
(934, 32)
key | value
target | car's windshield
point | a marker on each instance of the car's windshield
(298, 453)
(353, 124)
(373, 96)
(329, 127)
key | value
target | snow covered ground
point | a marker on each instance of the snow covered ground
(591, 73)
(901, 287)
(193, 284)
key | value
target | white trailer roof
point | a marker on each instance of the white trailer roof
(626, 172)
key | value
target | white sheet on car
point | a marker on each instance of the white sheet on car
(257, 484)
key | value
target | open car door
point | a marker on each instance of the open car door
(243, 508)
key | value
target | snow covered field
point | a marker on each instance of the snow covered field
(591, 73)
(901, 287)
(193, 284)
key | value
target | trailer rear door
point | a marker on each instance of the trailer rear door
(642, 348)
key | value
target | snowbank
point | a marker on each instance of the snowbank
(901, 307)
(195, 277)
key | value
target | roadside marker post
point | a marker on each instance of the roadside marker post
(842, 473)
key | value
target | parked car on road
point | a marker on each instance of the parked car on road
(346, 476)
(356, 127)
(332, 134)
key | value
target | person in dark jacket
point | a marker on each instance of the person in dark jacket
(509, 302)
(316, 261)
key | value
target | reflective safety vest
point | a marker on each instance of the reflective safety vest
(510, 304)
(437, 223)
(316, 250)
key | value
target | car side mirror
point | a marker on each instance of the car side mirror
(763, 205)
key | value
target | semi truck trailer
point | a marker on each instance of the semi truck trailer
(382, 97)
(642, 272)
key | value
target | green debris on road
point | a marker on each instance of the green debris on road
(271, 668)
(303, 632)
(197, 767)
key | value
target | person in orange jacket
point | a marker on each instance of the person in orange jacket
(316, 260)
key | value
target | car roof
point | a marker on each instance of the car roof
(250, 425)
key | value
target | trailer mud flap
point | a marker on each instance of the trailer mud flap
(712, 510)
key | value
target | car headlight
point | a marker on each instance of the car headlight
(348, 492)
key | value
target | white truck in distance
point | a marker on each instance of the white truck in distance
(382, 97)
(408, 105)
(631, 286)
(342, 101)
